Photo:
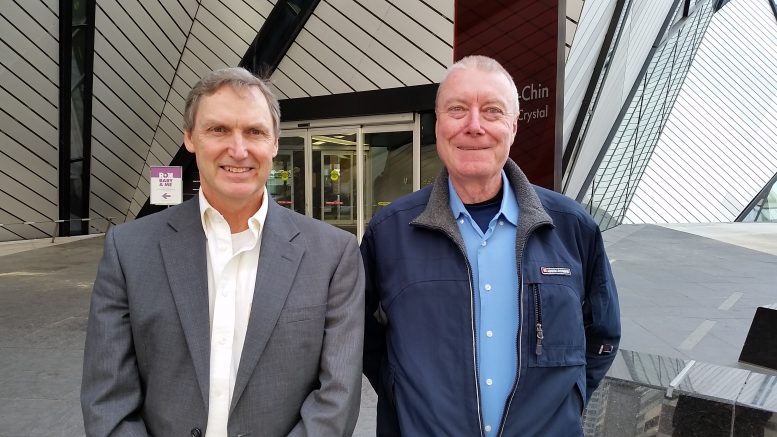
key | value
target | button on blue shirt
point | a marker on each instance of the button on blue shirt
(495, 279)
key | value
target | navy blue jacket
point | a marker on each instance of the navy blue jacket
(420, 339)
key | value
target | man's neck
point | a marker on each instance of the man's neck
(476, 191)
(236, 214)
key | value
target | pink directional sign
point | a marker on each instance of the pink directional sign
(166, 185)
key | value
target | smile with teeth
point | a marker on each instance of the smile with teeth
(236, 169)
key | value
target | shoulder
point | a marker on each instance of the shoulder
(151, 225)
(405, 209)
(308, 227)
(562, 208)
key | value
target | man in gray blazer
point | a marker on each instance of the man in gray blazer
(227, 314)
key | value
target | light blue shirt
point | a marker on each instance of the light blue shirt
(495, 279)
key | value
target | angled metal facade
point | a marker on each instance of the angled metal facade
(636, 155)
(718, 148)
(29, 108)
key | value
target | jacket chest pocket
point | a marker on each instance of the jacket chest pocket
(554, 316)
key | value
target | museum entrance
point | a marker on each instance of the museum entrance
(343, 171)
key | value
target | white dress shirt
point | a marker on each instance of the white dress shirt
(232, 264)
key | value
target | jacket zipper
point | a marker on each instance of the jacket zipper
(518, 349)
(474, 343)
(472, 325)
(538, 318)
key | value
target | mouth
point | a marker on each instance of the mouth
(237, 170)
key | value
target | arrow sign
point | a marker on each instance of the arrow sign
(166, 185)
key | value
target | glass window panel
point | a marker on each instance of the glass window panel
(77, 122)
(79, 55)
(79, 12)
(286, 183)
(76, 198)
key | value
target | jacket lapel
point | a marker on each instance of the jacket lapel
(184, 257)
(279, 260)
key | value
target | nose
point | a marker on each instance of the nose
(238, 147)
(474, 125)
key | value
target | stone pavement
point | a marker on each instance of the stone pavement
(683, 295)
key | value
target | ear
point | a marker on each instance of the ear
(187, 141)
(275, 148)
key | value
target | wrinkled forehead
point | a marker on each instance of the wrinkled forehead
(474, 85)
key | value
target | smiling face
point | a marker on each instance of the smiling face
(476, 125)
(233, 140)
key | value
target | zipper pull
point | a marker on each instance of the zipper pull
(540, 336)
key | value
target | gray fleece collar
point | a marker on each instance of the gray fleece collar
(437, 213)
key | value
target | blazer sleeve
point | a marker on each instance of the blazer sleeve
(111, 395)
(601, 315)
(333, 408)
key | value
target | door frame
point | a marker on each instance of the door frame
(359, 125)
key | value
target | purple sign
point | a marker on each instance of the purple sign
(166, 172)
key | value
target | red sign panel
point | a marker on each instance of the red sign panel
(527, 38)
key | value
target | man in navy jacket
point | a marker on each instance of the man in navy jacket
(491, 307)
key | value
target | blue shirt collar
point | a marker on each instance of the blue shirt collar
(508, 209)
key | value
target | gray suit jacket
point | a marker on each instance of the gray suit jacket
(146, 361)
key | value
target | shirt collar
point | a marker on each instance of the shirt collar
(255, 222)
(508, 209)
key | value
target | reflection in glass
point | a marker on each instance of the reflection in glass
(79, 12)
(334, 179)
(76, 198)
(765, 208)
(286, 182)
(430, 162)
(389, 169)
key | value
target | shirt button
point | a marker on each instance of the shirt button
(501, 222)
(488, 428)
(461, 221)
(483, 243)
(487, 287)
(489, 333)
(489, 381)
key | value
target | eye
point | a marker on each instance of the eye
(457, 111)
(493, 112)
(258, 132)
(217, 129)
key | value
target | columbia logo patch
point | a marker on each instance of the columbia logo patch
(555, 271)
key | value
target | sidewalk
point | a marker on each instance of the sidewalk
(682, 295)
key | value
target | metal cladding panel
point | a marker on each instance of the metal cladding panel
(360, 45)
(148, 54)
(25, 166)
(588, 38)
(634, 139)
(29, 100)
(629, 57)
(717, 150)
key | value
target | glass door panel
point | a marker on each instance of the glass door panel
(430, 161)
(286, 183)
(388, 171)
(334, 177)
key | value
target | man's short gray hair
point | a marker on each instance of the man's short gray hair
(237, 78)
(481, 63)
